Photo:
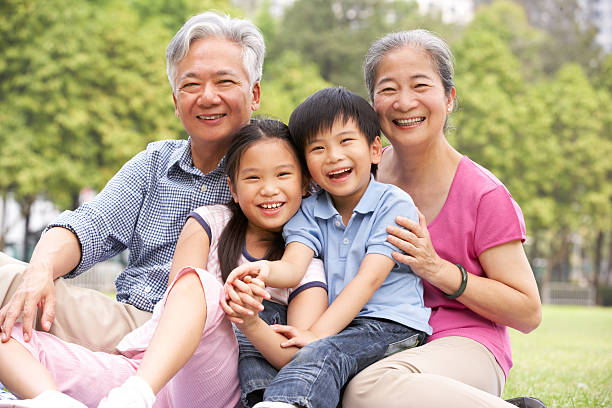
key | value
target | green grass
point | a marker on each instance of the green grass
(567, 361)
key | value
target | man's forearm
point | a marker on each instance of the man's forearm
(59, 249)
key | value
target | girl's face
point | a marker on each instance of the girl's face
(268, 185)
(409, 97)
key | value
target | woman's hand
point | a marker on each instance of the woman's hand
(296, 337)
(415, 241)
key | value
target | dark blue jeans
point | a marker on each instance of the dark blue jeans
(254, 371)
(318, 372)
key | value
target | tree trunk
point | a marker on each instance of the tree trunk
(3, 223)
(26, 209)
(597, 265)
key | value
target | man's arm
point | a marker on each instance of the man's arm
(57, 253)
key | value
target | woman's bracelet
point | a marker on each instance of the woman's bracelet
(464, 277)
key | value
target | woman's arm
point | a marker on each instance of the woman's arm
(182, 322)
(508, 295)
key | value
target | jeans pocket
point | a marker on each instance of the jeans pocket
(413, 341)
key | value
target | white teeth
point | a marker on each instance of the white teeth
(271, 206)
(408, 122)
(333, 173)
(210, 117)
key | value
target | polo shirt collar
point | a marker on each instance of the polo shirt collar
(324, 206)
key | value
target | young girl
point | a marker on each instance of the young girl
(187, 353)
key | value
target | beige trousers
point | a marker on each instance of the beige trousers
(83, 316)
(448, 372)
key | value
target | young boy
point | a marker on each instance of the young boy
(376, 305)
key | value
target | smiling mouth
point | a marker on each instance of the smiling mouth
(336, 174)
(211, 117)
(271, 206)
(409, 122)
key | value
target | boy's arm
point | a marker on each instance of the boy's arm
(373, 271)
(284, 273)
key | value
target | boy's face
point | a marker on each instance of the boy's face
(339, 160)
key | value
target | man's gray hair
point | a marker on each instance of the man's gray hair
(437, 49)
(210, 24)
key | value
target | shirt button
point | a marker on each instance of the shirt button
(203, 188)
(346, 240)
(337, 223)
(147, 289)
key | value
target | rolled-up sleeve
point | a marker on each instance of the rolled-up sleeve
(105, 225)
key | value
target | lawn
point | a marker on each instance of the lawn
(567, 361)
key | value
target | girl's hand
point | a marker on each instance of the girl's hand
(415, 241)
(250, 293)
(259, 269)
(296, 337)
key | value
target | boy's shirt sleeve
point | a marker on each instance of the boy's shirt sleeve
(394, 204)
(302, 227)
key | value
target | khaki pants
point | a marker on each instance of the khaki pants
(82, 316)
(447, 372)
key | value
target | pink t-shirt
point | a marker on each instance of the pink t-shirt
(479, 213)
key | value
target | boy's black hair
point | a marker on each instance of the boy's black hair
(321, 110)
(233, 237)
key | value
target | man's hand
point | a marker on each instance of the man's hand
(296, 337)
(35, 291)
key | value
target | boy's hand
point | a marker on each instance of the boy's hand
(250, 292)
(235, 281)
(296, 337)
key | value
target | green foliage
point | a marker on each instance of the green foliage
(336, 35)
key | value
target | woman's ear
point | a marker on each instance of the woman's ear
(232, 190)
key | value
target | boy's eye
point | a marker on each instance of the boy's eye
(314, 148)
(346, 140)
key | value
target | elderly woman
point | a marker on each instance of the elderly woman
(467, 246)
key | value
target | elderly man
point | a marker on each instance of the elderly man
(214, 65)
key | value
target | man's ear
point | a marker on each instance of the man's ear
(232, 190)
(376, 150)
(176, 107)
(256, 96)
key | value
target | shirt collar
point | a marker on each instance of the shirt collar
(183, 160)
(324, 206)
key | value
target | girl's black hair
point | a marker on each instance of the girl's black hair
(233, 237)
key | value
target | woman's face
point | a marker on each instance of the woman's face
(268, 185)
(409, 97)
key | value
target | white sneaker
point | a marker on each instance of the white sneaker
(273, 404)
(48, 399)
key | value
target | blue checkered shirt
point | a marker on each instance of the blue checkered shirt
(143, 209)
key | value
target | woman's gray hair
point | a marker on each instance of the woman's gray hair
(210, 24)
(437, 48)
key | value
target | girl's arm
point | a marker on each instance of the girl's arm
(284, 273)
(181, 325)
(302, 312)
(373, 271)
(508, 295)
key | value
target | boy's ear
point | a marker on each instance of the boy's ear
(232, 190)
(376, 150)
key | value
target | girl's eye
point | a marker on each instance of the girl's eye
(284, 173)
(315, 148)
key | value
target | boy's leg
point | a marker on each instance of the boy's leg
(254, 371)
(317, 372)
(83, 316)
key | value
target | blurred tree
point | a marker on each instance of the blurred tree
(287, 81)
(82, 89)
(173, 14)
(335, 35)
(569, 34)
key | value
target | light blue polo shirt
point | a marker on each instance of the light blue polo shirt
(319, 226)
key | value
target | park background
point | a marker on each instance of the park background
(83, 88)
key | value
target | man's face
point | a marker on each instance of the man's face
(213, 98)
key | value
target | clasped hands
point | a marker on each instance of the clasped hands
(244, 292)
